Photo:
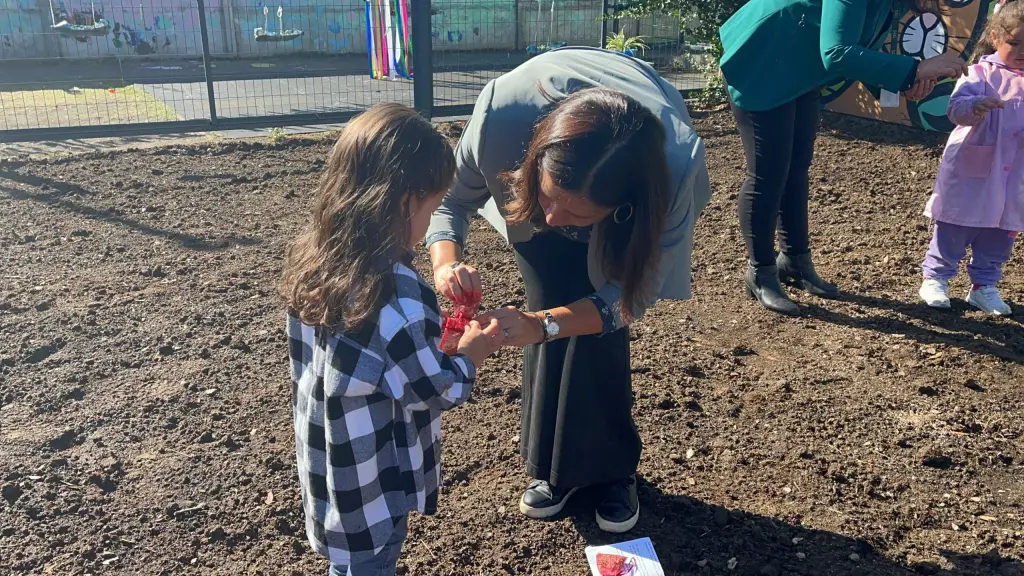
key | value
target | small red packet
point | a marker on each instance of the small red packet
(455, 325)
(611, 564)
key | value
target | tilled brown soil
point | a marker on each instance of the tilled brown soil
(145, 424)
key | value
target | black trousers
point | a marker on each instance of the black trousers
(577, 419)
(779, 146)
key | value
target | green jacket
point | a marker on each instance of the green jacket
(777, 50)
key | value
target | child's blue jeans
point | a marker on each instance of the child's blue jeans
(384, 563)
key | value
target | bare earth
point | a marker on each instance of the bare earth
(145, 419)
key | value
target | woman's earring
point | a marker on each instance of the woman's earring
(623, 213)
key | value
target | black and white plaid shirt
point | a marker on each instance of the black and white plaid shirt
(368, 419)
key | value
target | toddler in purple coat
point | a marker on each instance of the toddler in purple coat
(978, 201)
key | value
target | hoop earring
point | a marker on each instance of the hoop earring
(617, 216)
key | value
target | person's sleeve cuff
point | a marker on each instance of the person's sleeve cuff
(908, 83)
(439, 236)
(611, 320)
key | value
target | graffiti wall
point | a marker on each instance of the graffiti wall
(493, 25)
(921, 37)
(150, 27)
(20, 29)
(171, 27)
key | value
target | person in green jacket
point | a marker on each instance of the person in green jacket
(777, 56)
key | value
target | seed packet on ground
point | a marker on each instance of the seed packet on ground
(633, 558)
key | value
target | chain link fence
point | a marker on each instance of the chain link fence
(87, 68)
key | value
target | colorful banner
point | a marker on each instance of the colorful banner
(389, 39)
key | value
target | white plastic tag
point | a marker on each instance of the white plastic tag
(889, 99)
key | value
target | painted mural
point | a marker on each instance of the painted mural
(20, 29)
(171, 27)
(921, 37)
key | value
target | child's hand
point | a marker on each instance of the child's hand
(478, 342)
(987, 104)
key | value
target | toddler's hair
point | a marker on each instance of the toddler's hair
(1002, 24)
(337, 272)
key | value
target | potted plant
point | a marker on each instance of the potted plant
(628, 46)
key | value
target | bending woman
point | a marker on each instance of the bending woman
(586, 162)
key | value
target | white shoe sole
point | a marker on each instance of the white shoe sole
(545, 513)
(990, 312)
(618, 527)
(939, 304)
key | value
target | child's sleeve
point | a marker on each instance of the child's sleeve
(419, 375)
(969, 89)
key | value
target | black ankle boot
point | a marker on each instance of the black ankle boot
(798, 272)
(763, 285)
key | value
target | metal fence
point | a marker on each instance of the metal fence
(90, 68)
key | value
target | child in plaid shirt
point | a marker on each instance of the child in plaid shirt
(368, 380)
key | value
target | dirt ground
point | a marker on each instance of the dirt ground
(145, 419)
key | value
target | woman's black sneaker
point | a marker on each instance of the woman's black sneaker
(619, 509)
(542, 500)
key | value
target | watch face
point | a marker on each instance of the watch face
(552, 329)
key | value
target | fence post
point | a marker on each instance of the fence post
(604, 24)
(204, 35)
(422, 59)
(515, 6)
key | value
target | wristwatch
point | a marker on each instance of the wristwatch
(550, 326)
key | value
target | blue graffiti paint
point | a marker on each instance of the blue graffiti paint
(124, 35)
(334, 28)
(454, 36)
(162, 23)
(435, 33)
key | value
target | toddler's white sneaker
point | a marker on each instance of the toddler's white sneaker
(987, 299)
(935, 293)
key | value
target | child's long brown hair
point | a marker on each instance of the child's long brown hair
(338, 269)
(1002, 24)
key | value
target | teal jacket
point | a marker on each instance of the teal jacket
(778, 50)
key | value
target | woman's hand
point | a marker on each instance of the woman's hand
(518, 328)
(458, 282)
(987, 104)
(920, 90)
(945, 65)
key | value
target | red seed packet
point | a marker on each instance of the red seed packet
(610, 564)
(455, 325)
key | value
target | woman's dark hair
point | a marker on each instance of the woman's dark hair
(605, 146)
(337, 271)
(1002, 24)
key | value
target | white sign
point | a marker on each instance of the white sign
(633, 558)
(889, 99)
